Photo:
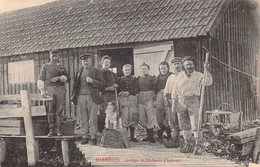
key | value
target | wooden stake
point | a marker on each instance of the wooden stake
(31, 144)
(65, 152)
(257, 147)
(201, 104)
(117, 103)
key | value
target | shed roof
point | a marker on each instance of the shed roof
(79, 23)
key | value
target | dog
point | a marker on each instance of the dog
(112, 120)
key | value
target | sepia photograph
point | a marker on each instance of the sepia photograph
(144, 83)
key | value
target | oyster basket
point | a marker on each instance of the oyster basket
(112, 139)
(68, 127)
(40, 127)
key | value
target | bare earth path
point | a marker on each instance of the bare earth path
(147, 154)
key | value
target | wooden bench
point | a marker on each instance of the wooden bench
(249, 140)
(26, 112)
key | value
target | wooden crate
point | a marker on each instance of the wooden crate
(12, 127)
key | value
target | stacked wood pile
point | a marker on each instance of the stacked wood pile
(249, 140)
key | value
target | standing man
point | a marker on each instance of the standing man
(185, 98)
(85, 95)
(128, 104)
(177, 68)
(51, 82)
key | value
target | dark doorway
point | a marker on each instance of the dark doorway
(119, 57)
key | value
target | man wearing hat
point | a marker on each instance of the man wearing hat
(51, 83)
(177, 68)
(85, 95)
(185, 98)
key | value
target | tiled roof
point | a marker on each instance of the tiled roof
(79, 23)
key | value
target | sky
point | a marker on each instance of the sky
(9, 5)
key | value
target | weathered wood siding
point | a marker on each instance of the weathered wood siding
(234, 41)
(69, 59)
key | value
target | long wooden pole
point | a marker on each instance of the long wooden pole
(257, 147)
(117, 103)
(31, 144)
(201, 104)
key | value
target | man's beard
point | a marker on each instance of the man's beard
(189, 70)
(177, 69)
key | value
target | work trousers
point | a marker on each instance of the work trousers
(147, 113)
(188, 114)
(162, 114)
(87, 111)
(129, 111)
(55, 107)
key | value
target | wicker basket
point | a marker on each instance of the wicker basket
(112, 139)
(170, 143)
(40, 127)
(68, 127)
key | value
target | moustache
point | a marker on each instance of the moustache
(190, 69)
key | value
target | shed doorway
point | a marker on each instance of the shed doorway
(119, 57)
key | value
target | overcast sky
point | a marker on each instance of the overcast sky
(8, 5)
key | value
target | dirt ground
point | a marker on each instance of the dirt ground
(50, 150)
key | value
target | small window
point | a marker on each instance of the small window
(21, 72)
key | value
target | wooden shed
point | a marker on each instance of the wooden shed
(136, 31)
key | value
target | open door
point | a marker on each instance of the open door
(152, 54)
(119, 57)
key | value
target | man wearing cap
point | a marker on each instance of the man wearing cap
(173, 121)
(85, 95)
(51, 83)
(185, 96)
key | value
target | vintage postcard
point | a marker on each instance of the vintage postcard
(129, 83)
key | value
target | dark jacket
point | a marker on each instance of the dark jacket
(95, 87)
(161, 81)
(128, 83)
(109, 80)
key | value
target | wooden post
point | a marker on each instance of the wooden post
(2, 150)
(31, 144)
(201, 105)
(241, 121)
(65, 152)
(257, 147)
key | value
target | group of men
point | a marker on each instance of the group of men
(169, 100)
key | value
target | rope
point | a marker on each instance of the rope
(229, 65)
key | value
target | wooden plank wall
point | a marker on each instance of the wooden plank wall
(69, 59)
(235, 43)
